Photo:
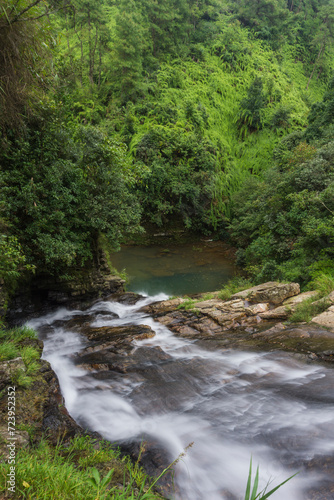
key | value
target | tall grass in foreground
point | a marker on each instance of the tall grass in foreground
(77, 471)
(252, 492)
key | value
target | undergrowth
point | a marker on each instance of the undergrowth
(12, 346)
(235, 285)
(308, 309)
(84, 469)
(187, 305)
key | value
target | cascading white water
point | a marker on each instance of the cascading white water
(231, 404)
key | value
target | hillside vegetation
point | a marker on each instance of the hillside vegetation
(118, 114)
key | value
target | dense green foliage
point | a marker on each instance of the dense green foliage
(283, 224)
(62, 190)
(167, 109)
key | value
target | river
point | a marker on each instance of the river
(230, 404)
(201, 266)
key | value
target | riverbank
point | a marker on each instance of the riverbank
(266, 316)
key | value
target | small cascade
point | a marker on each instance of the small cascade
(230, 404)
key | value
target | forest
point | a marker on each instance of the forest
(210, 115)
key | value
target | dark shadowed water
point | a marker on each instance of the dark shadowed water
(175, 270)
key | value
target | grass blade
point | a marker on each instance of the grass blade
(256, 484)
(248, 487)
(267, 495)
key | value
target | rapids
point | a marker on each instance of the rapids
(230, 404)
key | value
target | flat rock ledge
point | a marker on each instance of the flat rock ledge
(251, 319)
(269, 301)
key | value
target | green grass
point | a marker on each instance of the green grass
(30, 357)
(187, 305)
(309, 308)
(323, 283)
(235, 285)
(11, 347)
(84, 469)
(207, 296)
(17, 334)
(8, 351)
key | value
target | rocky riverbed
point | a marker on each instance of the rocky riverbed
(233, 376)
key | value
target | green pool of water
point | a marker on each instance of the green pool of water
(175, 270)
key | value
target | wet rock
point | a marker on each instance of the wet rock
(163, 307)
(271, 331)
(273, 292)
(128, 298)
(107, 360)
(57, 424)
(116, 333)
(108, 342)
(154, 459)
(78, 322)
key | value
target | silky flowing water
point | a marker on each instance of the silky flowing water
(230, 404)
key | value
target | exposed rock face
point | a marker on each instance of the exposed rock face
(281, 312)
(272, 292)
(7, 370)
(44, 293)
(40, 406)
(243, 322)
(110, 347)
(297, 299)
(235, 312)
(256, 309)
(326, 318)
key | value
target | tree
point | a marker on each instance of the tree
(249, 117)
(129, 46)
(324, 35)
(266, 17)
(24, 56)
(62, 191)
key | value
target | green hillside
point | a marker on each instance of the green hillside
(116, 114)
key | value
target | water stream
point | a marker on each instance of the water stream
(231, 404)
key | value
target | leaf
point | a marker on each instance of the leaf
(96, 476)
(248, 487)
(256, 483)
(106, 479)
